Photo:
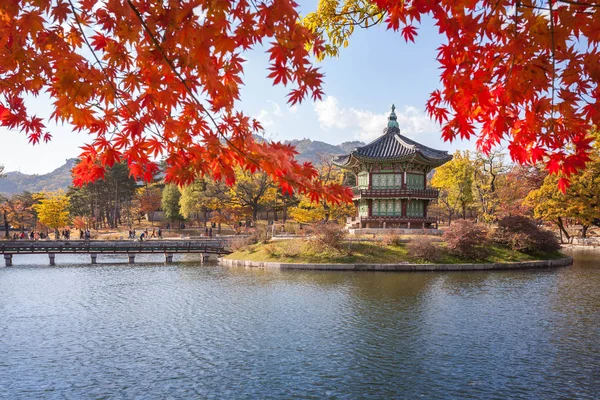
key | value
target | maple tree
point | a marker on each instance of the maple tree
(148, 199)
(581, 203)
(150, 78)
(523, 71)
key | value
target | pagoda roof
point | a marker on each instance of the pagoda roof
(392, 146)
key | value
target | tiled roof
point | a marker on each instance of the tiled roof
(392, 145)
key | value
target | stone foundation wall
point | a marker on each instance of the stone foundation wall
(562, 262)
(394, 231)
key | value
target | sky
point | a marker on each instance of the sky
(376, 70)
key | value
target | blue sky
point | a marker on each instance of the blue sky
(374, 71)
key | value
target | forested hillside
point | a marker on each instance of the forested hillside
(16, 182)
(60, 178)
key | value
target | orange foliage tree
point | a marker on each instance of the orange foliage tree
(151, 78)
(527, 71)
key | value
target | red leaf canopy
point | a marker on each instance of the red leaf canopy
(524, 71)
(157, 78)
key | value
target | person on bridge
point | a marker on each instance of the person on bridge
(210, 232)
(159, 232)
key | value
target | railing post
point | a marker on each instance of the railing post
(94, 257)
(8, 260)
(51, 258)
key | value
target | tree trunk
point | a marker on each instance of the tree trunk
(562, 229)
(6, 227)
(584, 229)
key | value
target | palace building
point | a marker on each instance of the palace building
(389, 179)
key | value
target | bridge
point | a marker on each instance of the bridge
(204, 247)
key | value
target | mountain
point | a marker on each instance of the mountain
(313, 150)
(16, 182)
(60, 178)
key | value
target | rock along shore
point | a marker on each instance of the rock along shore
(561, 262)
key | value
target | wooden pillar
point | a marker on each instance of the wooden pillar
(168, 258)
(404, 207)
(8, 260)
(131, 258)
(94, 257)
(370, 203)
(51, 258)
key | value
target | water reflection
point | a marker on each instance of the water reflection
(186, 330)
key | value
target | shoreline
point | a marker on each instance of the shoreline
(406, 267)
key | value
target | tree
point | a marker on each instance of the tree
(308, 211)
(250, 190)
(17, 211)
(515, 185)
(154, 78)
(488, 171)
(148, 199)
(455, 182)
(581, 202)
(107, 200)
(170, 203)
(53, 210)
(526, 72)
(197, 199)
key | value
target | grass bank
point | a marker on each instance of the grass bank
(372, 252)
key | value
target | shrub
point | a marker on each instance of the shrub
(391, 240)
(522, 234)
(291, 248)
(272, 250)
(424, 248)
(260, 234)
(466, 239)
(239, 242)
(328, 236)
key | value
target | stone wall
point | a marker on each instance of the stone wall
(562, 262)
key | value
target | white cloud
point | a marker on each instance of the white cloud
(265, 119)
(293, 109)
(367, 125)
(276, 108)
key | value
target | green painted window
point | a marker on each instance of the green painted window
(363, 208)
(363, 180)
(387, 207)
(387, 181)
(415, 208)
(414, 181)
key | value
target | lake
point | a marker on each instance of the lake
(187, 330)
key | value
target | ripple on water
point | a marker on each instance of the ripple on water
(191, 331)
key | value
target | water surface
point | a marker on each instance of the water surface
(190, 331)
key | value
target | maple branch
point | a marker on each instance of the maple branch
(110, 82)
(579, 3)
(183, 81)
(553, 50)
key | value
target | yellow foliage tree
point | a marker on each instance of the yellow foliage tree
(581, 202)
(455, 182)
(52, 210)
